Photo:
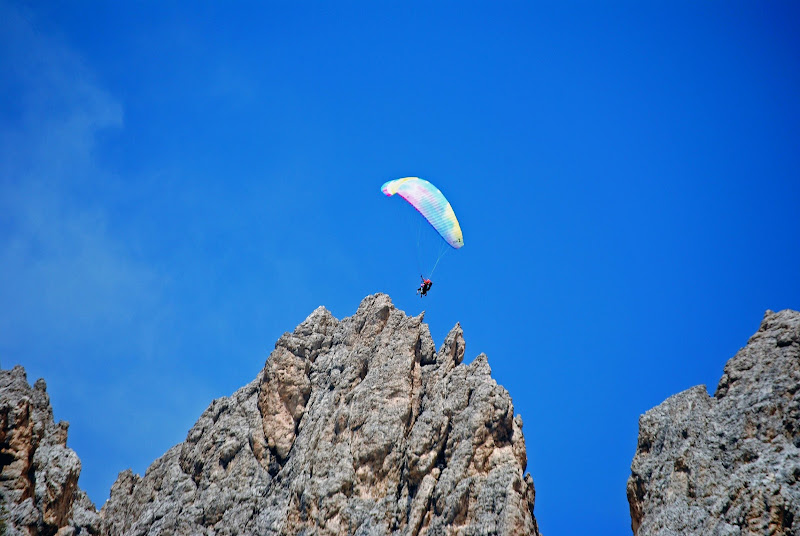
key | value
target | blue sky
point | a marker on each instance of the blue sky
(180, 183)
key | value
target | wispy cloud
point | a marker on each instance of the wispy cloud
(65, 272)
(81, 305)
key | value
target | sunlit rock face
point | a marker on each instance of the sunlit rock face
(39, 491)
(727, 464)
(356, 426)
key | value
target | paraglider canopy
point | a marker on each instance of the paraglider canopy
(429, 201)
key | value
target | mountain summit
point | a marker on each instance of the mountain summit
(356, 426)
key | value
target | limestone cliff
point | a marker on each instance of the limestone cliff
(727, 464)
(356, 426)
(39, 491)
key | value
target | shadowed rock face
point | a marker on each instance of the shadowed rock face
(38, 474)
(356, 426)
(727, 464)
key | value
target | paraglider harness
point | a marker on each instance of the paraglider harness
(424, 287)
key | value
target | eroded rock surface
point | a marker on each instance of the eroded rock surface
(727, 464)
(356, 426)
(39, 491)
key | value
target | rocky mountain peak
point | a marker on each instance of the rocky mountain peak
(38, 473)
(727, 464)
(358, 426)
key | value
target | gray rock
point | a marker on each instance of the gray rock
(39, 474)
(353, 427)
(727, 464)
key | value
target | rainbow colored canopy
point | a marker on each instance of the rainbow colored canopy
(429, 201)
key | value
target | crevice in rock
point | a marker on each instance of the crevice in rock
(6, 458)
(30, 475)
(416, 394)
(787, 518)
(441, 457)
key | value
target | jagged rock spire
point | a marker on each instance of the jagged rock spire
(39, 491)
(355, 426)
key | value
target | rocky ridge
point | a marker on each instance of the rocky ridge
(39, 491)
(356, 426)
(360, 426)
(728, 464)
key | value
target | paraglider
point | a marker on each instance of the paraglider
(434, 207)
(424, 287)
